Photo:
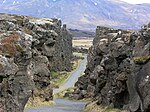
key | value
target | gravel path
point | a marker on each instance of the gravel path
(65, 105)
(61, 106)
(73, 78)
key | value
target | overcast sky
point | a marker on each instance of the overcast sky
(137, 1)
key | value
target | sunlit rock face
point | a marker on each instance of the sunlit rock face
(29, 49)
(117, 73)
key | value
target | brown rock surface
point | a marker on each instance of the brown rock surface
(29, 49)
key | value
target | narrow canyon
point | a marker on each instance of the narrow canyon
(32, 50)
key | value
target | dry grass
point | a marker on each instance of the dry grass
(38, 102)
(62, 93)
(28, 31)
(141, 59)
(78, 54)
(84, 43)
(93, 107)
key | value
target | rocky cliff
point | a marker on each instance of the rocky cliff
(118, 70)
(29, 49)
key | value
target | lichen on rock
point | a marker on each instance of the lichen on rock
(30, 48)
(117, 73)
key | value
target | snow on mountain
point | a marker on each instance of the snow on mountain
(83, 14)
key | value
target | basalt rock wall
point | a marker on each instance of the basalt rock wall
(30, 48)
(118, 70)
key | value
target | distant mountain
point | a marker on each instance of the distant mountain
(83, 14)
(81, 33)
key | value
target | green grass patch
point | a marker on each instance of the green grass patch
(59, 78)
(76, 64)
(38, 102)
(55, 74)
